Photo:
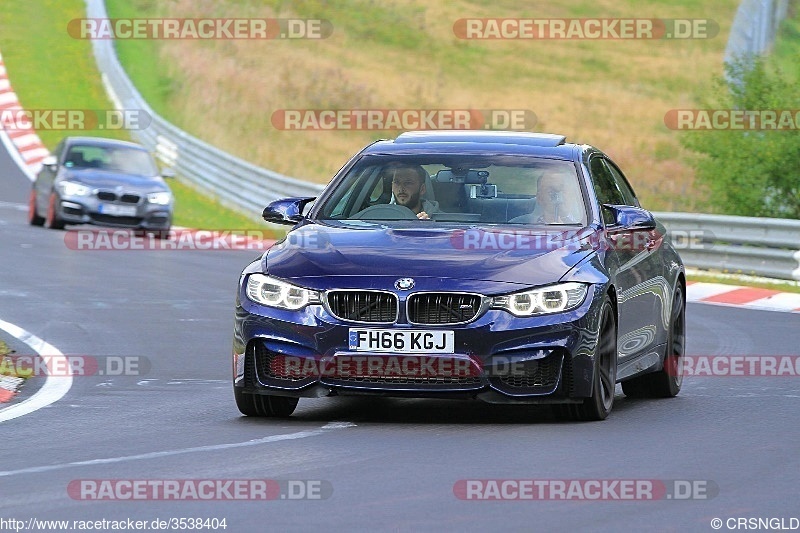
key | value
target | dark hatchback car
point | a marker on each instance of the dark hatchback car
(90, 180)
(500, 266)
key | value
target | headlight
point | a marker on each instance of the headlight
(70, 188)
(545, 300)
(159, 198)
(275, 293)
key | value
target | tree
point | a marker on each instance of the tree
(751, 171)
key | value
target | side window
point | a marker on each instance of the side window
(628, 195)
(604, 187)
(341, 205)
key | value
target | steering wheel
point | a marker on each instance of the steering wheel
(385, 212)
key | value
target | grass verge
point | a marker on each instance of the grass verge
(7, 368)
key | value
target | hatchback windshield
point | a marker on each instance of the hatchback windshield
(112, 158)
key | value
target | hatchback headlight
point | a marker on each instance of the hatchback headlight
(544, 300)
(276, 293)
(159, 198)
(71, 188)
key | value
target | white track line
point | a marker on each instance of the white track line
(330, 426)
(54, 388)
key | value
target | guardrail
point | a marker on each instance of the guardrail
(233, 181)
(767, 247)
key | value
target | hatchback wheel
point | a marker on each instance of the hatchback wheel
(52, 220)
(33, 216)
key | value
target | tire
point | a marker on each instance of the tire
(33, 216)
(667, 382)
(264, 406)
(258, 404)
(51, 220)
(598, 406)
(163, 235)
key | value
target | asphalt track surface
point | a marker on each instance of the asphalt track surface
(392, 464)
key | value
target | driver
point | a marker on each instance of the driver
(408, 188)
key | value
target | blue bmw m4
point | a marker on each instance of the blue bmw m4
(506, 267)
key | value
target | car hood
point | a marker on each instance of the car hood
(523, 256)
(101, 179)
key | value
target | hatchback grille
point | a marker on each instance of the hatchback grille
(443, 307)
(363, 306)
(129, 198)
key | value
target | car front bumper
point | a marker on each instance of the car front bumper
(90, 210)
(498, 358)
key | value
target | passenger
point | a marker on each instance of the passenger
(555, 202)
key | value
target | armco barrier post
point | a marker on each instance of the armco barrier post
(796, 273)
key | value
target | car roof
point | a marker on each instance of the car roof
(477, 141)
(102, 141)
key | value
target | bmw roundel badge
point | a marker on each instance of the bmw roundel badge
(404, 284)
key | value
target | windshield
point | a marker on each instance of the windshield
(112, 158)
(447, 188)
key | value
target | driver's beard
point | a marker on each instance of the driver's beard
(414, 202)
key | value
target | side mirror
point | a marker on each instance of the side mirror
(50, 162)
(632, 218)
(286, 211)
(167, 173)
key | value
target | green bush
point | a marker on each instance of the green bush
(751, 172)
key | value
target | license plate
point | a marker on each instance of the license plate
(117, 210)
(402, 341)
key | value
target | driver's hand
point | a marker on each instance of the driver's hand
(422, 215)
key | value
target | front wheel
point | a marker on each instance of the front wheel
(33, 216)
(599, 404)
(52, 219)
(264, 406)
